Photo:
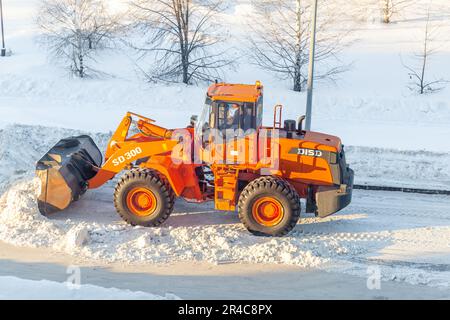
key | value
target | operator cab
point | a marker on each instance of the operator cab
(235, 107)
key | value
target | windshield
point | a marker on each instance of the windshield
(229, 115)
(204, 122)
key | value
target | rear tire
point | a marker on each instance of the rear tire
(269, 206)
(143, 197)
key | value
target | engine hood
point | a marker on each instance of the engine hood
(322, 139)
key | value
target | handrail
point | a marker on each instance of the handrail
(278, 107)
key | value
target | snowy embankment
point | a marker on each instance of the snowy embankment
(400, 168)
(15, 288)
(373, 226)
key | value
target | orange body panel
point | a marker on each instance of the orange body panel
(181, 176)
(250, 157)
(308, 169)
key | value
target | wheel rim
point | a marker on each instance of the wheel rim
(141, 201)
(267, 211)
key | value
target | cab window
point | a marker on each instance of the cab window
(235, 115)
(247, 117)
(259, 112)
(228, 115)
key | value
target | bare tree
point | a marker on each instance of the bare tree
(392, 7)
(183, 38)
(418, 73)
(74, 29)
(280, 40)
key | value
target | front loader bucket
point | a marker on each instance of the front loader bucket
(64, 171)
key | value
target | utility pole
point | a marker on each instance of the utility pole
(312, 51)
(2, 49)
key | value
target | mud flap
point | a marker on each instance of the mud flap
(330, 200)
(64, 171)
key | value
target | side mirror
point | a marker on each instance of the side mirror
(300, 123)
(193, 121)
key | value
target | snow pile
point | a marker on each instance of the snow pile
(21, 224)
(215, 244)
(21, 146)
(16, 288)
(20, 221)
(76, 237)
(19, 202)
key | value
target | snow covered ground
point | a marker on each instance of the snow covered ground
(392, 136)
(12, 288)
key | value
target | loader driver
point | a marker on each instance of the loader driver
(233, 116)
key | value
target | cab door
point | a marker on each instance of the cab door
(236, 123)
(228, 133)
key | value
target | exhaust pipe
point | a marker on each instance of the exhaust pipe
(64, 171)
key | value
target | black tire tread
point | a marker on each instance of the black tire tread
(271, 183)
(152, 177)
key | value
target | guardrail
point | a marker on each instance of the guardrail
(401, 189)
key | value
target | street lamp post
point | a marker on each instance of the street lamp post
(312, 50)
(2, 49)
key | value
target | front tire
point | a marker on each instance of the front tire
(144, 198)
(269, 206)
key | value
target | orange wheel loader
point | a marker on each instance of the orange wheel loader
(226, 156)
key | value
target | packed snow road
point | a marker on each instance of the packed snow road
(186, 280)
(406, 235)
